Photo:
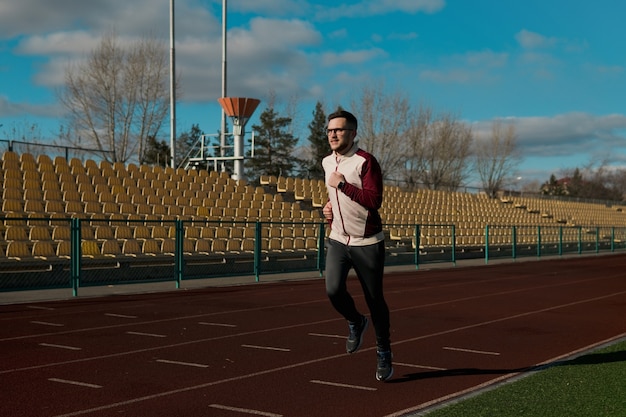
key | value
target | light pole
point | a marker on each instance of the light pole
(224, 73)
(172, 90)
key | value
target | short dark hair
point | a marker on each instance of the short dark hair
(351, 118)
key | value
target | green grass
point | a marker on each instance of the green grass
(592, 385)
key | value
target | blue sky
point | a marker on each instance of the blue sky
(556, 69)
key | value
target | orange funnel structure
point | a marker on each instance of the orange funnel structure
(239, 109)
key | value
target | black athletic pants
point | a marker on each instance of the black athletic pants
(368, 263)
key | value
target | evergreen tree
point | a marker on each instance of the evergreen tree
(274, 147)
(188, 143)
(156, 153)
(319, 143)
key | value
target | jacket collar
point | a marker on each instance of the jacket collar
(351, 151)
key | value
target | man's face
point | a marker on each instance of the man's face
(340, 135)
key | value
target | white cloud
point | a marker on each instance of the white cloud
(454, 76)
(352, 57)
(408, 36)
(565, 134)
(379, 7)
(269, 55)
(473, 66)
(533, 40)
(272, 7)
(13, 109)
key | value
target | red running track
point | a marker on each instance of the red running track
(278, 349)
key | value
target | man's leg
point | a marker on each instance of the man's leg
(337, 267)
(369, 263)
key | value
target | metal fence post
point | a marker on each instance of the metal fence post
(321, 254)
(257, 251)
(75, 255)
(453, 245)
(417, 245)
(580, 240)
(486, 243)
(613, 239)
(514, 242)
(179, 263)
(538, 241)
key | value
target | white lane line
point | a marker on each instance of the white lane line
(60, 346)
(146, 334)
(41, 308)
(80, 384)
(195, 365)
(244, 410)
(266, 348)
(47, 323)
(121, 316)
(411, 365)
(204, 323)
(335, 336)
(336, 384)
(480, 352)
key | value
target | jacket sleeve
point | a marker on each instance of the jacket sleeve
(371, 195)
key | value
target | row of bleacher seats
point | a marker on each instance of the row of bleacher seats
(463, 209)
(138, 193)
(46, 249)
(39, 195)
(48, 192)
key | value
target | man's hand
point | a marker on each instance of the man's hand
(328, 211)
(335, 178)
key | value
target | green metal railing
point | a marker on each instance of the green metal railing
(422, 244)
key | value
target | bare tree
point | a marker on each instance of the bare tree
(438, 150)
(496, 157)
(118, 98)
(384, 121)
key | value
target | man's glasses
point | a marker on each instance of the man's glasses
(339, 131)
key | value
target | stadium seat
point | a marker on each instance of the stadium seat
(141, 232)
(151, 247)
(104, 232)
(123, 232)
(168, 246)
(131, 247)
(203, 246)
(218, 246)
(39, 233)
(233, 245)
(43, 249)
(90, 249)
(160, 232)
(14, 206)
(33, 194)
(16, 233)
(192, 232)
(18, 250)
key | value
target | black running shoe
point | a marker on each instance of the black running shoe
(384, 369)
(356, 334)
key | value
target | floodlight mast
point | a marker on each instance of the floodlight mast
(172, 89)
(239, 109)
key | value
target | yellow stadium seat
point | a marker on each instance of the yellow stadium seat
(39, 233)
(131, 247)
(202, 246)
(15, 206)
(90, 249)
(43, 249)
(18, 250)
(151, 247)
(17, 233)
